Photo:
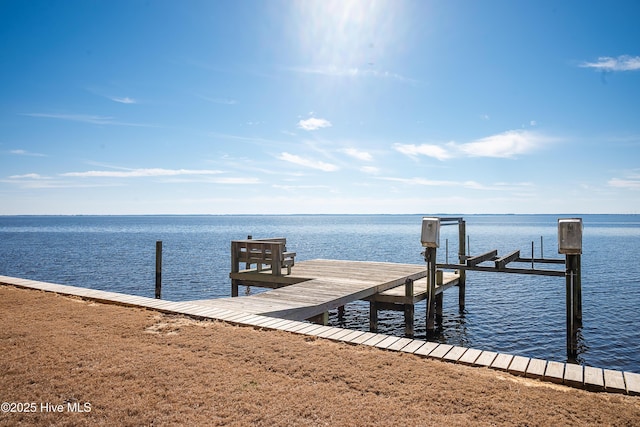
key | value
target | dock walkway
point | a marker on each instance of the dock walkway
(315, 287)
(585, 377)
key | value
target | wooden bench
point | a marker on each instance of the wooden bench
(269, 253)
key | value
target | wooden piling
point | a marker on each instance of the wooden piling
(461, 259)
(430, 258)
(373, 316)
(158, 269)
(577, 294)
(408, 308)
(572, 270)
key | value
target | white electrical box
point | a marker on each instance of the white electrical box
(570, 236)
(430, 236)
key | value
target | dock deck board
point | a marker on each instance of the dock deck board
(318, 286)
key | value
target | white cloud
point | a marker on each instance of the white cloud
(608, 63)
(223, 101)
(631, 183)
(237, 181)
(28, 176)
(507, 144)
(125, 100)
(357, 154)
(86, 118)
(309, 163)
(370, 169)
(354, 72)
(26, 153)
(429, 150)
(474, 185)
(138, 173)
(313, 123)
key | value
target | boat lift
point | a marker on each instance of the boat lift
(569, 244)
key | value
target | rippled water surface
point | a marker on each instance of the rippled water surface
(507, 313)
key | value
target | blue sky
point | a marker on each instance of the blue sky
(219, 107)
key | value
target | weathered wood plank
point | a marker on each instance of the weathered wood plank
(339, 335)
(426, 349)
(454, 354)
(475, 260)
(470, 356)
(632, 381)
(593, 378)
(413, 346)
(401, 343)
(362, 338)
(519, 365)
(574, 375)
(372, 341)
(554, 372)
(486, 358)
(502, 361)
(614, 381)
(352, 336)
(536, 368)
(385, 343)
(503, 261)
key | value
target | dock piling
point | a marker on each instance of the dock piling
(158, 269)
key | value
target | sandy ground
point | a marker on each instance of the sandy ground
(65, 361)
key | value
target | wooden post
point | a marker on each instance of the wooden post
(408, 308)
(373, 316)
(158, 269)
(439, 297)
(577, 293)
(462, 281)
(572, 328)
(341, 312)
(430, 257)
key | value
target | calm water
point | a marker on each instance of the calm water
(518, 314)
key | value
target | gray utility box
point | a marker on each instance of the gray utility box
(570, 236)
(430, 236)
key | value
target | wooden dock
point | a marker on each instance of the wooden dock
(572, 375)
(314, 287)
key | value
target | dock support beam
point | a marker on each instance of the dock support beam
(430, 258)
(373, 316)
(574, 304)
(159, 269)
(462, 281)
(408, 308)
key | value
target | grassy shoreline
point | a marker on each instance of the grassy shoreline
(139, 367)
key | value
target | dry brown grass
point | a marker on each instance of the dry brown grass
(137, 367)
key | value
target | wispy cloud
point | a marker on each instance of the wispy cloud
(313, 123)
(26, 153)
(86, 118)
(354, 72)
(504, 145)
(223, 101)
(125, 100)
(630, 182)
(139, 173)
(608, 63)
(429, 150)
(358, 154)
(507, 144)
(29, 176)
(370, 169)
(309, 163)
(470, 184)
